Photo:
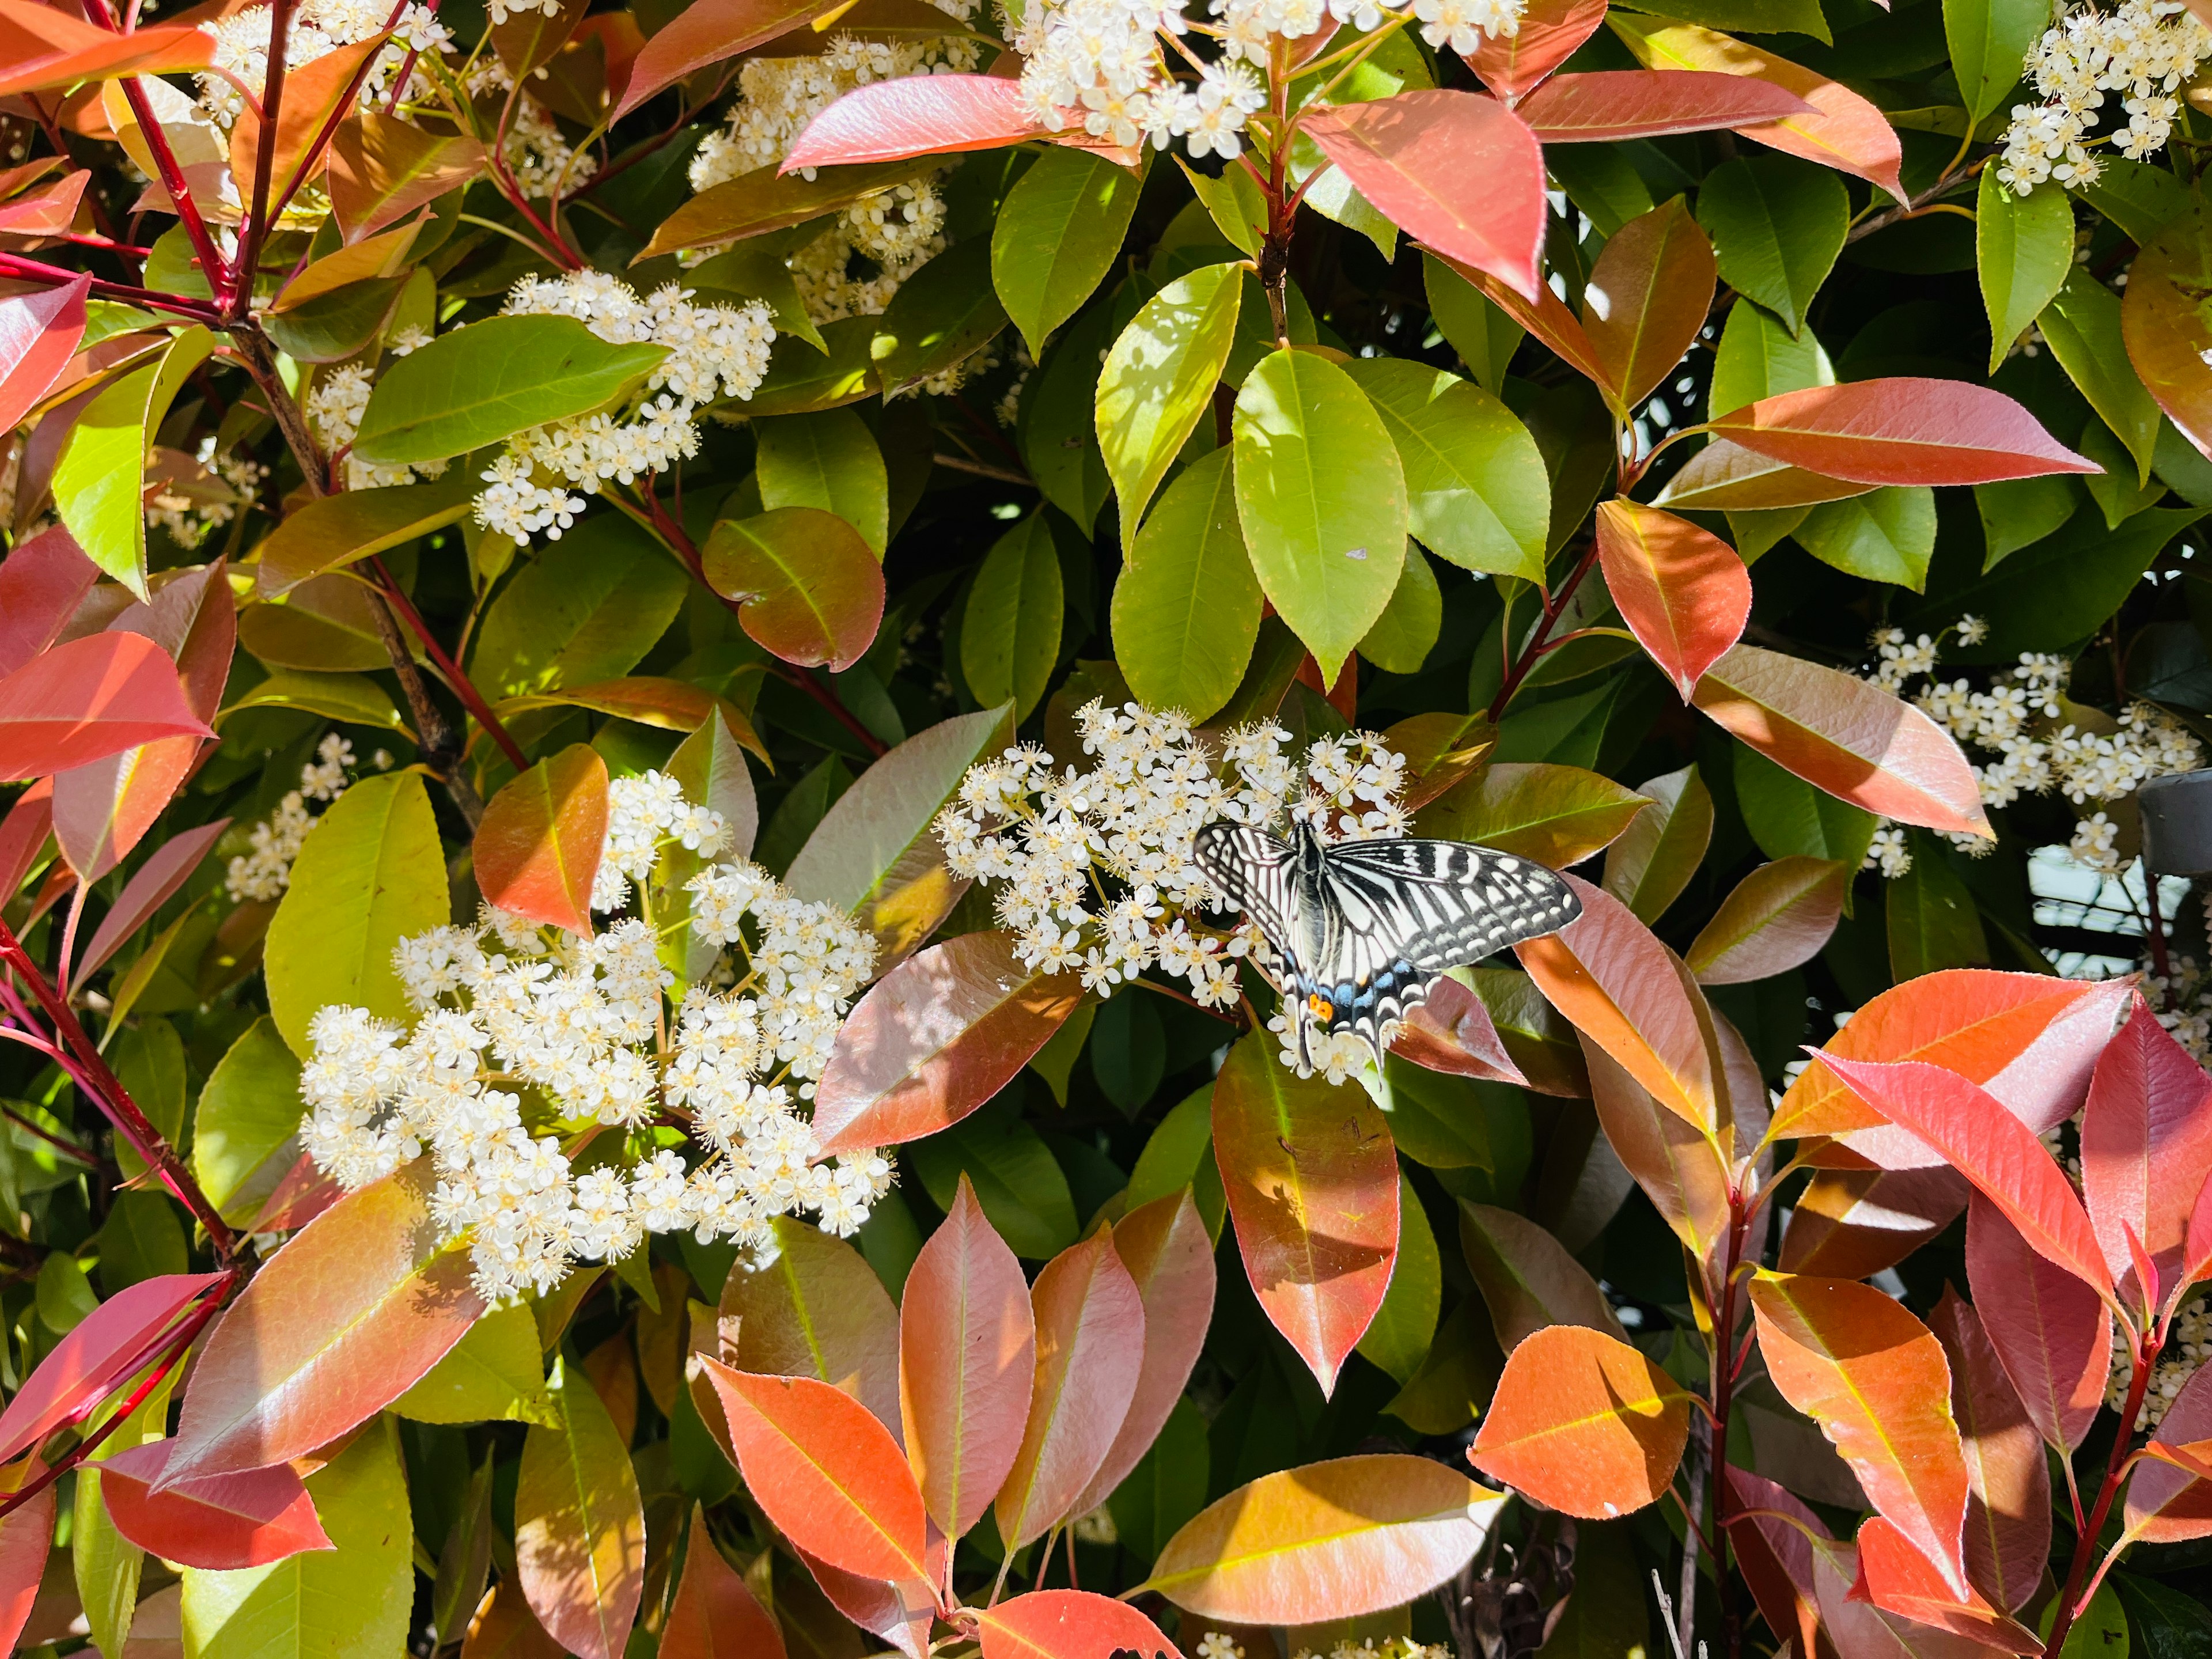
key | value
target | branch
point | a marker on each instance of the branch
(463, 687)
(255, 231)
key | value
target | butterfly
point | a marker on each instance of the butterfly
(1366, 928)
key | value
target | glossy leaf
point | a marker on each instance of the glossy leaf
(1625, 104)
(1647, 298)
(1159, 379)
(1683, 592)
(1010, 630)
(1403, 1328)
(1897, 1577)
(935, 1038)
(2023, 249)
(152, 885)
(26, 1538)
(1452, 1031)
(42, 581)
(99, 481)
(336, 531)
(2163, 323)
(1629, 993)
(38, 332)
(2007, 1535)
(1843, 735)
(1554, 816)
(110, 1344)
(815, 1308)
(1513, 65)
(497, 1371)
(1312, 1181)
(1460, 172)
(2052, 1333)
(579, 1525)
(1680, 1169)
(767, 199)
(1875, 1379)
(2165, 1503)
(936, 115)
(1726, 478)
(1527, 1277)
(89, 698)
(1583, 1423)
(2146, 1150)
(1187, 605)
(1069, 1624)
(536, 852)
(1901, 431)
(383, 169)
(714, 1615)
(356, 1308)
(706, 33)
(1056, 236)
(967, 1353)
(826, 1472)
(1329, 1540)
(1777, 918)
(1653, 859)
(1322, 497)
(807, 587)
(829, 460)
(1089, 1321)
(246, 1520)
(2086, 329)
(1777, 230)
(1851, 1224)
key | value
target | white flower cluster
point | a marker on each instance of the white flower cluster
(2143, 50)
(1098, 878)
(319, 28)
(2039, 741)
(712, 350)
(553, 1088)
(190, 504)
(1103, 65)
(894, 232)
(2188, 1346)
(266, 871)
(335, 405)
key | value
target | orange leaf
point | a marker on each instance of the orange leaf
(826, 1472)
(935, 1038)
(1546, 317)
(709, 32)
(1646, 300)
(2008, 1481)
(1843, 735)
(1895, 1577)
(49, 50)
(1514, 65)
(1777, 918)
(503, 1628)
(714, 1616)
(1901, 430)
(806, 584)
(1607, 105)
(1628, 993)
(382, 169)
(1678, 1165)
(232, 1520)
(347, 1317)
(2167, 1505)
(1329, 1540)
(920, 115)
(1312, 1180)
(2146, 1148)
(1460, 172)
(1860, 1630)
(2163, 323)
(312, 93)
(2052, 1333)
(966, 1351)
(1851, 1224)
(1682, 591)
(1875, 1379)
(1583, 1423)
(1452, 1031)
(815, 1308)
(1069, 1624)
(537, 850)
(1775, 1557)
(579, 1525)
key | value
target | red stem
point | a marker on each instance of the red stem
(256, 228)
(463, 687)
(1555, 606)
(2085, 1541)
(339, 112)
(15, 266)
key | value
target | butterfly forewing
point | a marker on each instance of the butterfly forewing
(1253, 869)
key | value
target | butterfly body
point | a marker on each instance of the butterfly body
(1366, 928)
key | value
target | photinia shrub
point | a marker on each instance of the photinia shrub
(618, 626)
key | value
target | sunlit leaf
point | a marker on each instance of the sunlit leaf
(714, 1615)
(91, 697)
(1513, 65)
(1682, 591)
(1901, 430)
(2007, 1535)
(1069, 1624)
(1555, 815)
(1618, 103)
(2052, 1333)
(2146, 1150)
(806, 585)
(1851, 1224)
(250, 1519)
(1777, 918)
(1583, 1423)
(1654, 858)
(815, 1308)
(579, 1525)
(536, 852)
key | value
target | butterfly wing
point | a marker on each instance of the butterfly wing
(1253, 871)
(1396, 914)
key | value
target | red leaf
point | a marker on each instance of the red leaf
(1897, 1577)
(935, 1038)
(815, 1308)
(1843, 735)
(1647, 299)
(2167, 1505)
(1992, 1148)
(1851, 1224)
(711, 31)
(1875, 1379)
(967, 1365)
(1901, 430)
(1777, 918)
(2146, 1147)
(826, 1472)
(114, 1340)
(2052, 1334)
(23, 834)
(1166, 1248)
(2199, 1264)
(2008, 1481)
(1682, 591)
(151, 887)
(1457, 171)
(537, 850)
(1312, 1180)
(1679, 1166)
(1069, 1624)
(41, 585)
(50, 49)
(1452, 1031)
(919, 115)
(806, 583)
(1583, 1423)
(714, 1616)
(91, 697)
(26, 1537)
(1860, 1630)
(1776, 1558)
(347, 1317)
(38, 334)
(231, 1521)
(1089, 1351)
(1612, 103)
(1514, 65)
(902, 1614)
(1546, 317)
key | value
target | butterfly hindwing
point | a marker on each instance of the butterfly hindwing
(1253, 871)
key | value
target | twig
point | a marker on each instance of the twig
(983, 470)
(67, 1149)
(463, 687)
(255, 231)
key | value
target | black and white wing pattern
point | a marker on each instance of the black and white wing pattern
(1253, 871)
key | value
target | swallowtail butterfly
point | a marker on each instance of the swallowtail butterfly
(1366, 928)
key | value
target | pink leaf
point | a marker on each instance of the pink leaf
(2053, 1334)
(92, 697)
(2168, 1503)
(1614, 104)
(1514, 65)
(1682, 591)
(27, 1536)
(41, 585)
(919, 115)
(1902, 430)
(38, 332)
(2146, 1147)
(711, 31)
(115, 1340)
(222, 1523)
(1453, 1031)
(150, 888)
(2008, 1482)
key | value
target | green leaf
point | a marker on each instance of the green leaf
(496, 1371)
(2141, 198)
(1483, 335)
(579, 1522)
(336, 531)
(1159, 379)
(353, 699)
(587, 609)
(1788, 818)
(2166, 1623)
(1021, 1188)
(1236, 203)
(830, 461)
(2100, 1631)
(753, 203)
(1931, 918)
(1180, 1154)
(142, 1238)
(97, 482)
(942, 315)
(1442, 1122)
(478, 384)
(802, 378)
(334, 325)
(63, 1295)
(1187, 605)
(349, 1602)
(249, 1110)
(1322, 500)
(1755, 17)
(1168, 1485)
(1989, 41)
(1757, 357)
(371, 872)
(1604, 1615)
(755, 269)
(1057, 429)
(1476, 490)
(2083, 328)
(1887, 535)
(1010, 632)
(2020, 512)
(148, 1058)
(1406, 632)
(106, 1565)
(2118, 496)
(1778, 224)
(1398, 1338)
(1057, 233)
(2023, 247)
